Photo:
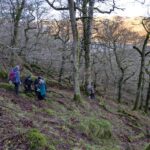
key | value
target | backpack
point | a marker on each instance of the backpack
(28, 81)
(12, 75)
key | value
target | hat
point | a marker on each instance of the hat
(18, 67)
(39, 78)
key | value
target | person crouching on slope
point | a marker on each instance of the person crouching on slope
(36, 86)
(41, 89)
(27, 83)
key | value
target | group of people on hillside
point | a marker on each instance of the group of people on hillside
(38, 84)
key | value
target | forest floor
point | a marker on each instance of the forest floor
(64, 123)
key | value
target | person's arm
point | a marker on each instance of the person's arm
(18, 76)
(45, 86)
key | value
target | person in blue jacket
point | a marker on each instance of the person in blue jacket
(41, 89)
(16, 79)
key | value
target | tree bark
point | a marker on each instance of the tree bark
(139, 85)
(147, 98)
(142, 94)
(87, 29)
(61, 72)
(121, 78)
(75, 51)
(16, 19)
(120, 84)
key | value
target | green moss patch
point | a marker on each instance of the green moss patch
(96, 129)
(105, 146)
(7, 86)
(28, 67)
(147, 147)
(37, 140)
(49, 112)
(36, 68)
(3, 74)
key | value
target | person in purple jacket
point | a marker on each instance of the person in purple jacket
(16, 78)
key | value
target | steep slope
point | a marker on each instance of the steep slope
(59, 123)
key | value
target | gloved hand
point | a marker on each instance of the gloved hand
(10, 82)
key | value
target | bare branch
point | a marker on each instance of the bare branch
(138, 50)
(127, 78)
(147, 53)
(146, 24)
(142, 2)
(109, 11)
(56, 8)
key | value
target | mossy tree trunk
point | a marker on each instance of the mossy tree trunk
(147, 98)
(61, 72)
(142, 93)
(75, 51)
(87, 29)
(141, 73)
(62, 33)
(120, 84)
(122, 70)
(16, 16)
(17, 9)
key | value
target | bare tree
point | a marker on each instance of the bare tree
(75, 48)
(61, 31)
(16, 13)
(87, 18)
(33, 25)
(142, 54)
(87, 9)
(117, 38)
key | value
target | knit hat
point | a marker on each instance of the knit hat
(18, 67)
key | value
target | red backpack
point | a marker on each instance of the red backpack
(12, 75)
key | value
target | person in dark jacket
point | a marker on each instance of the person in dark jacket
(36, 84)
(28, 83)
(91, 91)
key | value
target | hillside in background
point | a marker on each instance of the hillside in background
(134, 23)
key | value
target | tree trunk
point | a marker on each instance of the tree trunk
(138, 92)
(120, 81)
(87, 28)
(120, 84)
(61, 72)
(139, 86)
(95, 80)
(75, 51)
(16, 19)
(142, 94)
(147, 98)
(106, 83)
